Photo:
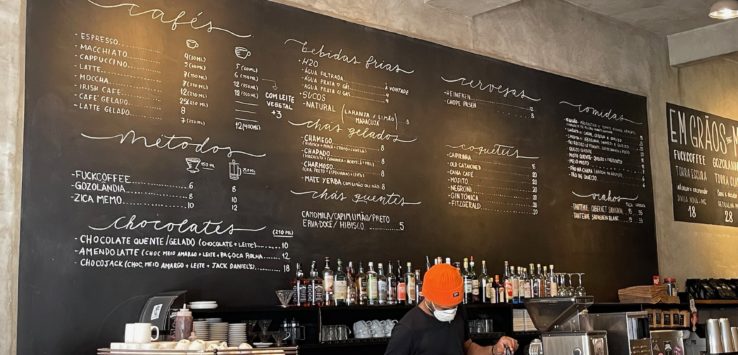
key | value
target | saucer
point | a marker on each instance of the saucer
(263, 345)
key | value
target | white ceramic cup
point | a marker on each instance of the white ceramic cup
(140, 333)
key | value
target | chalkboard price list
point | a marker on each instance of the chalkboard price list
(495, 179)
(704, 166)
(115, 79)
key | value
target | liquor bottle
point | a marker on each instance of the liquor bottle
(527, 287)
(484, 285)
(544, 282)
(448, 261)
(515, 276)
(553, 285)
(500, 289)
(381, 285)
(391, 285)
(467, 282)
(401, 285)
(351, 294)
(361, 285)
(410, 284)
(372, 285)
(535, 281)
(299, 285)
(475, 297)
(340, 285)
(328, 283)
(427, 263)
(507, 285)
(315, 289)
(418, 287)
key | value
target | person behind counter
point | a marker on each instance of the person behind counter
(436, 326)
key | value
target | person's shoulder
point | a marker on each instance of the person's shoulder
(412, 318)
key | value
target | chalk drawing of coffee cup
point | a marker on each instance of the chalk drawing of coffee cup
(192, 44)
(193, 164)
(242, 53)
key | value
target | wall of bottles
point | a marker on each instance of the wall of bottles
(393, 283)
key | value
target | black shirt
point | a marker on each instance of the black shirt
(419, 333)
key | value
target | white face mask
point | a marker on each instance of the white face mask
(443, 315)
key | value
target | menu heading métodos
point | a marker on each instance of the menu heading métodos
(703, 151)
(209, 148)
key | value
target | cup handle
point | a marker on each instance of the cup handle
(157, 332)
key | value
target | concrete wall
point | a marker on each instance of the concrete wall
(547, 34)
(12, 16)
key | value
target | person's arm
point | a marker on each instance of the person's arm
(473, 348)
(401, 342)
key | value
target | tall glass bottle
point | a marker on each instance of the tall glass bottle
(467, 282)
(382, 285)
(515, 276)
(299, 285)
(418, 287)
(328, 283)
(475, 298)
(361, 285)
(427, 263)
(340, 285)
(553, 285)
(507, 284)
(544, 281)
(350, 284)
(485, 285)
(401, 285)
(500, 289)
(527, 287)
(391, 285)
(410, 284)
(372, 290)
(535, 282)
(315, 289)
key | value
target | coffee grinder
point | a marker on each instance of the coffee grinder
(560, 321)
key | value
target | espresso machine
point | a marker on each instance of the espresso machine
(563, 327)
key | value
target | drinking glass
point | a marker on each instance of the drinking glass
(563, 290)
(580, 291)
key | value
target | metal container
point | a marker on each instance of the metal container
(714, 341)
(725, 335)
(667, 342)
(627, 332)
(575, 343)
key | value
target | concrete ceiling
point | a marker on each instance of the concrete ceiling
(662, 17)
(692, 35)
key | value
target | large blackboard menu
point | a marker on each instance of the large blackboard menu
(703, 151)
(209, 146)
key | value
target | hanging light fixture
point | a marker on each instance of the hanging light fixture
(724, 9)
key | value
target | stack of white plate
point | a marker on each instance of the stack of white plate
(202, 329)
(219, 331)
(204, 305)
(236, 334)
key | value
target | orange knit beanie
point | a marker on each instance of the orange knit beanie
(443, 286)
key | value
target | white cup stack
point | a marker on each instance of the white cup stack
(236, 334)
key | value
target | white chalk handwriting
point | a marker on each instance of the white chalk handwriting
(497, 149)
(135, 10)
(608, 115)
(609, 197)
(183, 226)
(173, 142)
(370, 63)
(491, 88)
